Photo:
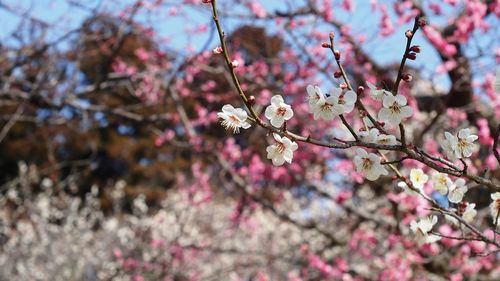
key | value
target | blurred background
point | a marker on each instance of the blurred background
(114, 166)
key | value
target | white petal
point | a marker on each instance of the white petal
(310, 90)
(277, 100)
(245, 125)
(406, 111)
(348, 107)
(277, 121)
(288, 113)
(384, 114)
(270, 111)
(228, 109)
(277, 137)
(371, 86)
(464, 133)
(278, 161)
(388, 100)
(241, 114)
(400, 99)
(350, 97)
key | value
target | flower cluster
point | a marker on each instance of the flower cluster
(327, 107)
(422, 230)
(460, 146)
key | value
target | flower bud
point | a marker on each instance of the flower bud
(343, 85)
(337, 74)
(206, 1)
(415, 48)
(235, 63)
(217, 51)
(337, 54)
(251, 100)
(409, 34)
(407, 77)
(326, 45)
(461, 207)
(360, 90)
(332, 35)
(411, 56)
(422, 22)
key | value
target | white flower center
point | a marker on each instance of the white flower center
(280, 147)
(341, 99)
(326, 106)
(234, 119)
(367, 164)
(395, 108)
(462, 144)
(280, 111)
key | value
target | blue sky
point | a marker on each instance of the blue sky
(177, 30)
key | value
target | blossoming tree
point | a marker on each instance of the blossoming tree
(315, 141)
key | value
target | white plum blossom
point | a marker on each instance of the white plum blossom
(345, 100)
(369, 136)
(278, 112)
(233, 118)
(377, 94)
(314, 94)
(449, 145)
(409, 190)
(465, 144)
(457, 191)
(281, 151)
(368, 164)
(495, 206)
(384, 139)
(327, 108)
(374, 136)
(441, 182)
(418, 178)
(451, 219)
(331, 106)
(394, 110)
(459, 147)
(422, 229)
(469, 213)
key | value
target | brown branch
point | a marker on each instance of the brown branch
(412, 154)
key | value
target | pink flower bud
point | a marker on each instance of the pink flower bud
(337, 54)
(409, 34)
(407, 77)
(235, 63)
(422, 22)
(332, 35)
(206, 1)
(251, 100)
(415, 48)
(337, 74)
(411, 56)
(217, 50)
(360, 90)
(326, 45)
(343, 85)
